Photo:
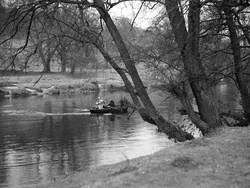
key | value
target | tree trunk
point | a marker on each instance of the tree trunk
(63, 66)
(143, 113)
(63, 61)
(245, 91)
(45, 61)
(188, 43)
(241, 69)
(72, 68)
(162, 124)
(180, 90)
(46, 66)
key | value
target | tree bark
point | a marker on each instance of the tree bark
(171, 130)
(180, 91)
(46, 66)
(188, 44)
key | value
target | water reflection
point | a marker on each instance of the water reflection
(35, 147)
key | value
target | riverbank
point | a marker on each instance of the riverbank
(219, 160)
(62, 83)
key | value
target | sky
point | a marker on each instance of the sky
(130, 9)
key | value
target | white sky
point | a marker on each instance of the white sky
(130, 9)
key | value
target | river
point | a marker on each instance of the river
(43, 138)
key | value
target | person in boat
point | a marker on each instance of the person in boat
(123, 105)
(100, 103)
(111, 103)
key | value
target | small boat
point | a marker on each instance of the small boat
(107, 109)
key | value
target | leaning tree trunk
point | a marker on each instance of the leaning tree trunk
(241, 70)
(171, 130)
(142, 111)
(188, 44)
(180, 90)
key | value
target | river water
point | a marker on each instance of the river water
(43, 138)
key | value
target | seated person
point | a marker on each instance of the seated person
(123, 104)
(100, 103)
(111, 103)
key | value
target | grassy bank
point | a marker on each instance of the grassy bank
(219, 160)
(66, 83)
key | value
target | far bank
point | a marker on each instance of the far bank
(62, 83)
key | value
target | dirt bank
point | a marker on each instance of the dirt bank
(221, 160)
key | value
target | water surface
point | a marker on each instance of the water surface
(42, 138)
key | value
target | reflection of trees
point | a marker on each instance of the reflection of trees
(3, 170)
(52, 141)
(58, 144)
(107, 127)
(48, 109)
(111, 118)
(47, 106)
(74, 130)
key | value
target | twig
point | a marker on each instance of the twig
(136, 15)
(38, 79)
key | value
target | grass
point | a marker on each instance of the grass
(67, 83)
(220, 160)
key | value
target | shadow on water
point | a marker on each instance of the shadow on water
(35, 147)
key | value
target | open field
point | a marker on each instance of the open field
(87, 81)
(48, 79)
(66, 83)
